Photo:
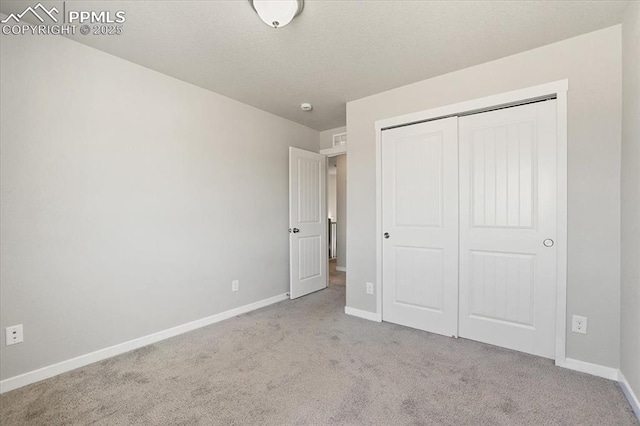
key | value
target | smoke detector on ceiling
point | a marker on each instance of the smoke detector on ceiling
(306, 106)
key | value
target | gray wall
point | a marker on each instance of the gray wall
(341, 180)
(130, 200)
(326, 137)
(592, 64)
(630, 297)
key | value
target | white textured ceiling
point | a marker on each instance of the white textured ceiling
(335, 51)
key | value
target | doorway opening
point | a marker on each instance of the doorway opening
(337, 218)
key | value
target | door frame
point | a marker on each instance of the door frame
(557, 89)
(333, 152)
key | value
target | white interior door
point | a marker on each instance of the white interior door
(420, 217)
(508, 179)
(307, 222)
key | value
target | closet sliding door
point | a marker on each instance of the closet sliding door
(420, 226)
(469, 236)
(508, 226)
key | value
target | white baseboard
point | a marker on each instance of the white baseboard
(631, 396)
(341, 268)
(589, 368)
(82, 360)
(371, 316)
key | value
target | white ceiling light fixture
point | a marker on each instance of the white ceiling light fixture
(277, 13)
(306, 106)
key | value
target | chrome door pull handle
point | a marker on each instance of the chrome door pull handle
(548, 242)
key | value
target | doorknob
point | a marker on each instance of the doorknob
(548, 242)
(295, 230)
(386, 235)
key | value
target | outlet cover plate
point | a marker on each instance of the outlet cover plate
(369, 288)
(579, 324)
(235, 285)
(14, 334)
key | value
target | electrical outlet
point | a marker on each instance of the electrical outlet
(235, 285)
(579, 324)
(369, 288)
(14, 334)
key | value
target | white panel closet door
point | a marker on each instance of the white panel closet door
(508, 178)
(420, 215)
(307, 222)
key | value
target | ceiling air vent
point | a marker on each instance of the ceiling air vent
(339, 139)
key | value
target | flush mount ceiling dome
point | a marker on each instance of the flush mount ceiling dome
(277, 13)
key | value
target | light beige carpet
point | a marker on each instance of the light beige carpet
(336, 277)
(306, 362)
